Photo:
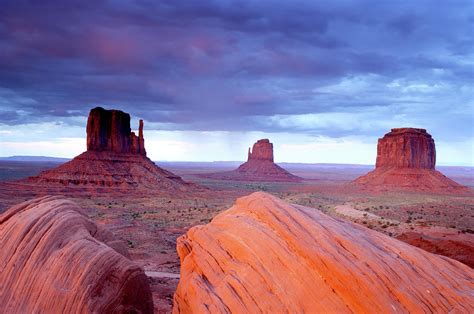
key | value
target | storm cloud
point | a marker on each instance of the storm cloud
(330, 68)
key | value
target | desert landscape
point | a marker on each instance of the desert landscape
(147, 209)
(236, 157)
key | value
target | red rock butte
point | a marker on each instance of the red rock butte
(109, 130)
(406, 159)
(115, 160)
(259, 167)
(264, 255)
(53, 259)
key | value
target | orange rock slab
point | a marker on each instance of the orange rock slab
(265, 255)
(53, 259)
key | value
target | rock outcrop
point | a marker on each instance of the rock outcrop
(259, 167)
(262, 150)
(265, 255)
(109, 130)
(115, 158)
(406, 148)
(53, 259)
(406, 159)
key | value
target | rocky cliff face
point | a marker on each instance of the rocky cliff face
(53, 259)
(406, 159)
(261, 150)
(265, 255)
(109, 130)
(406, 148)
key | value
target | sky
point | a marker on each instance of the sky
(323, 80)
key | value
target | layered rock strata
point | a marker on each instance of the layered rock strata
(53, 259)
(265, 255)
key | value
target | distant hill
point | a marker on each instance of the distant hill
(35, 159)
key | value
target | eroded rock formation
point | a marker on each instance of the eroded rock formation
(115, 157)
(109, 130)
(262, 150)
(259, 167)
(265, 255)
(53, 259)
(406, 159)
(406, 148)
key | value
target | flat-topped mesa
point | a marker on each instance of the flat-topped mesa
(109, 130)
(261, 150)
(406, 148)
(406, 159)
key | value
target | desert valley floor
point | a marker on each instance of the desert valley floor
(150, 225)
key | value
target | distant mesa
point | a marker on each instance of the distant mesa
(406, 159)
(53, 259)
(115, 158)
(259, 167)
(265, 255)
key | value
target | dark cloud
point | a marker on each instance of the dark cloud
(236, 65)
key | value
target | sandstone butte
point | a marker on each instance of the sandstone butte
(259, 167)
(406, 159)
(115, 157)
(53, 259)
(265, 255)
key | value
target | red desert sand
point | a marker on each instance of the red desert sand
(259, 167)
(53, 259)
(406, 159)
(265, 255)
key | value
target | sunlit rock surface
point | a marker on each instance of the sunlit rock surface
(53, 259)
(265, 255)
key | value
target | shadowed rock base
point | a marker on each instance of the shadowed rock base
(105, 169)
(53, 259)
(265, 255)
(409, 179)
